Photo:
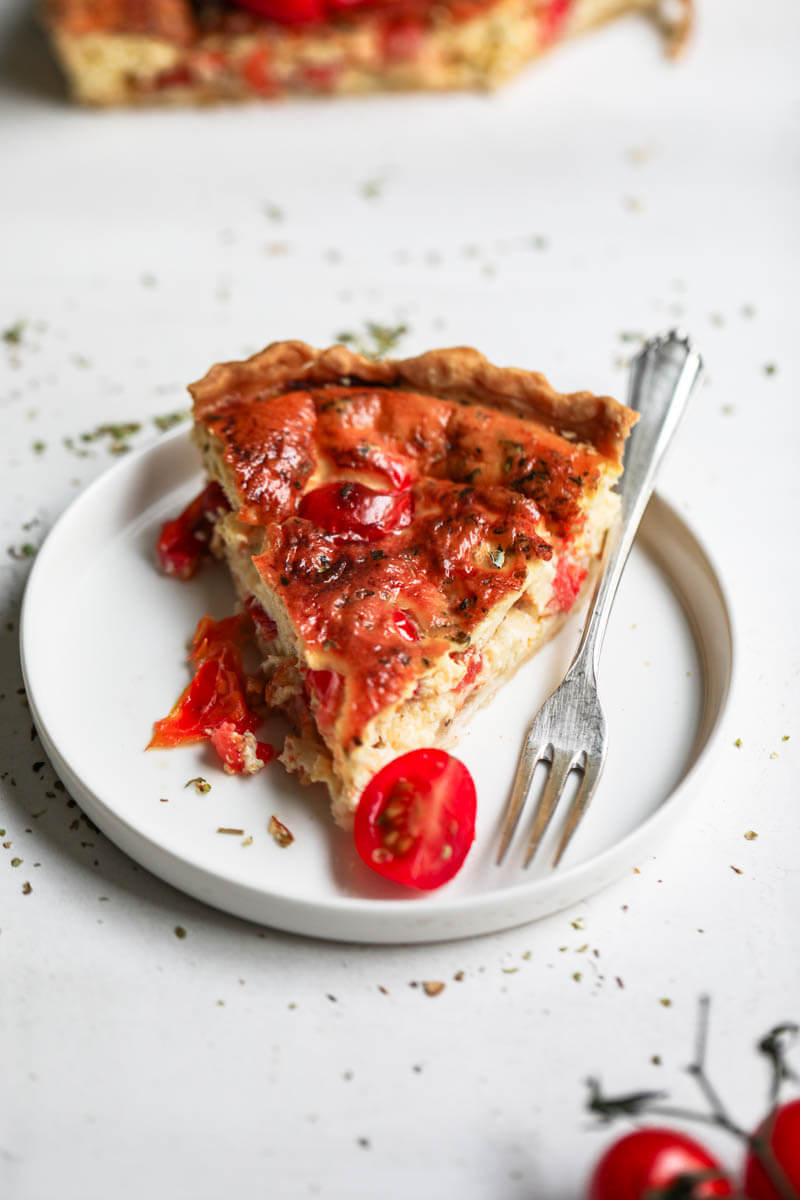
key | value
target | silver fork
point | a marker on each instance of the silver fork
(569, 731)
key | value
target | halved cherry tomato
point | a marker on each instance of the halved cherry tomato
(287, 12)
(780, 1132)
(353, 510)
(657, 1163)
(405, 625)
(567, 583)
(326, 689)
(184, 542)
(240, 752)
(415, 821)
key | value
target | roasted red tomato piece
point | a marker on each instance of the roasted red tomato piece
(405, 625)
(394, 469)
(184, 542)
(219, 639)
(474, 660)
(213, 698)
(415, 820)
(287, 12)
(241, 754)
(657, 1162)
(326, 689)
(353, 510)
(216, 695)
(780, 1132)
(567, 583)
(553, 18)
(264, 624)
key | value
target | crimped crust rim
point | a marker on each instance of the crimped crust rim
(458, 373)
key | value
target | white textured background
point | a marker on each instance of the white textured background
(605, 192)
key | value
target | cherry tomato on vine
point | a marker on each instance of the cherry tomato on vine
(415, 820)
(781, 1134)
(657, 1164)
(353, 510)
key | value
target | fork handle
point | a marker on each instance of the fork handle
(663, 376)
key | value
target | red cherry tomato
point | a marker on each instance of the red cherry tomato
(647, 1163)
(184, 542)
(350, 509)
(781, 1133)
(287, 12)
(405, 625)
(415, 820)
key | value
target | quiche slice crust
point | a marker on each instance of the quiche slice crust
(497, 491)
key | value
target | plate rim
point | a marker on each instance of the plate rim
(402, 921)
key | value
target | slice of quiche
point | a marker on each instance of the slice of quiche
(198, 51)
(404, 534)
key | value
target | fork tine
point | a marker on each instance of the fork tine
(529, 761)
(591, 773)
(559, 770)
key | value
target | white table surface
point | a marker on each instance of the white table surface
(137, 249)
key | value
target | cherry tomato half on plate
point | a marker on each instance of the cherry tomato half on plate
(415, 820)
(780, 1132)
(353, 510)
(651, 1163)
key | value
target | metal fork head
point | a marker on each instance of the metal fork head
(568, 734)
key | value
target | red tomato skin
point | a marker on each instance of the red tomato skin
(183, 543)
(355, 511)
(648, 1161)
(287, 12)
(405, 625)
(264, 624)
(781, 1131)
(437, 796)
(216, 694)
(229, 742)
(326, 688)
(553, 18)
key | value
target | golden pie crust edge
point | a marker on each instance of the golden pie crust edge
(458, 373)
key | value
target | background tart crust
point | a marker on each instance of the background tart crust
(170, 52)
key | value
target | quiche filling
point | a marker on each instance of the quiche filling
(403, 536)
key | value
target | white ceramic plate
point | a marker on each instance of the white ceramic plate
(103, 651)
